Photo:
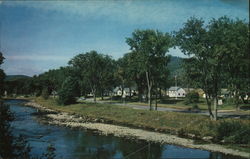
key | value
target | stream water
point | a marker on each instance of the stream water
(81, 144)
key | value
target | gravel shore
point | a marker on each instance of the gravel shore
(68, 120)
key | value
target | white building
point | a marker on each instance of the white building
(176, 92)
(126, 91)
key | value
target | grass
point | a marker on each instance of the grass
(165, 121)
(182, 124)
(177, 104)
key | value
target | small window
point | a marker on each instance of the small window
(179, 94)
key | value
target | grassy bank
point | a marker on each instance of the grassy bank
(230, 131)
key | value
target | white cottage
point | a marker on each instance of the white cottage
(176, 92)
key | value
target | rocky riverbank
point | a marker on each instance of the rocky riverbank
(75, 121)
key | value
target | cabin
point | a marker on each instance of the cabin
(176, 92)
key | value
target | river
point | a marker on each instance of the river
(81, 144)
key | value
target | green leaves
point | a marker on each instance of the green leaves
(217, 53)
(149, 47)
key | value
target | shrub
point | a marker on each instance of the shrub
(233, 132)
(192, 97)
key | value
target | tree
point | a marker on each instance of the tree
(124, 73)
(11, 146)
(69, 91)
(209, 47)
(93, 68)
(2, 75)
(192, 97)
(6, 138)
(107, 74)
(237, 58)
(149, 48)
(193, 40)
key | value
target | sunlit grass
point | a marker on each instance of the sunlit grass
(156, 120)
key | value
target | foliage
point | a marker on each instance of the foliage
(10, 146)
(6, 138)
(212, 49)
(233, 132)
(192, 97)
(68, 92)
(45, 93)
(2, 75)
(94, 69)
(149, 49)
(16, 77)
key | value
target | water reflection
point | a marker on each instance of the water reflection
(82, 144)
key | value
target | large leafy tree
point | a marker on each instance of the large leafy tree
(149, 48)
(209, 48)
(193, 40)
(69, 91)
(237, 55)
(107, 79)
(94, 69)
(124, 74)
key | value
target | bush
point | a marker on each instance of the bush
(192, 97)
(68, 92)
(233, 132)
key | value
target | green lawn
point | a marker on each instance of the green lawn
(170, 122)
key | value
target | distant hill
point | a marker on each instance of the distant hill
(15, 77)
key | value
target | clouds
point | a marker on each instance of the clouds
(131, 12)
(38, 57)
(41, 35)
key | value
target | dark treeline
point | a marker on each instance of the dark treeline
(218, 57)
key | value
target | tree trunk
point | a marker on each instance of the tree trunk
(139, 91)
(149, 99)
(149, 83)
(130, 94)
(215, 107)
(122, 90)
(156, 100)
(160, 94)
(243, 100)
(102, 94)
(94, 97)
(209, 108)
(94, 93)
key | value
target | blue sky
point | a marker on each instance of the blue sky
(40, 35)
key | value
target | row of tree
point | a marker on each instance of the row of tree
(218, 56)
